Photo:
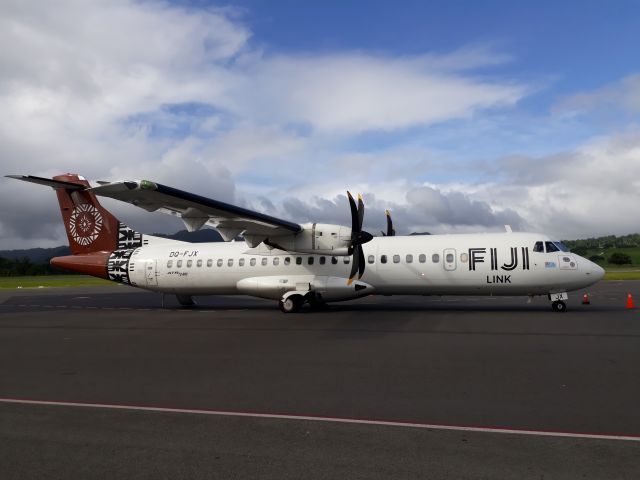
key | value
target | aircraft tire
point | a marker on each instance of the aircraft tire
(559, 306)
(291, 304)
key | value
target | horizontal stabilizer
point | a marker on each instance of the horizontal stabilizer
(49, 182)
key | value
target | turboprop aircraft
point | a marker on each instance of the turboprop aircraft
(297, 264)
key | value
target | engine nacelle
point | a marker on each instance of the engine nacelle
(316, 238)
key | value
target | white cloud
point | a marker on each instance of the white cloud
(91, 87)
(622, 95)
(350, 93)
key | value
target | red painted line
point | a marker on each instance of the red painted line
(322, 418)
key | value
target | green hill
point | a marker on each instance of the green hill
(601, 250)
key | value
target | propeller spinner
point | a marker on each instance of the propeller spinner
(358, 237)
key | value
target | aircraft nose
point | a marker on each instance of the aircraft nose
(597, 271)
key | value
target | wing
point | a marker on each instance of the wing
(196, 211)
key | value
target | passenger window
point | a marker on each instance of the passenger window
(169, 263)
(346, 259)
(323, 260)
(241, 262)
(539, 247)
(179, 264)
(383, 259)
(310, 260)
(298, 260)
(409, 258)
(371, 258)
(199, 263)
(396, 259)
(422, 258)
(449, 258)
(264, 261)
(276, 260)
(334, 260)
(219, 262)
(287, 260)
(230, 262)
(435, 258)
(189, 263)
(209, 263)
(551, 247)
(464, 257)
(252, 262)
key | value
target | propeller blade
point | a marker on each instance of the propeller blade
(390, 231)
(360, 262)
(354, 267)
(354, 213)
(358, 237)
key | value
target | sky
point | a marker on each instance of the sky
(457, 116)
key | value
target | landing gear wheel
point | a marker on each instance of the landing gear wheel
(291, 304)
(559, 306)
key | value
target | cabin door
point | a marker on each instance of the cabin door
(150, 272)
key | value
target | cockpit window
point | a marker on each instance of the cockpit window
(539, 247)
(561, 246)
(551, 247)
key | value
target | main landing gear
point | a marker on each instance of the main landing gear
(293, 302)
(186, 300)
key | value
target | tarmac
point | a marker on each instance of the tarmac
(104, 382)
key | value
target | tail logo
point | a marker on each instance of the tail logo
(85, 224)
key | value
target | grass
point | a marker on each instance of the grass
(622, 275)
(52, 281)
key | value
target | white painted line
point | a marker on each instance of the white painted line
(358, 421)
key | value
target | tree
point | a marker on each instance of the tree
(580, 250)
(619, 258)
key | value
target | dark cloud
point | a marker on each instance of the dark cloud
(426, 208)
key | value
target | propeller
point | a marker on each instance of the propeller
(358, 237)
(390, 231)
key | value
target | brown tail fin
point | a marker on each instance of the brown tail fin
(90, 228)
(101, 245)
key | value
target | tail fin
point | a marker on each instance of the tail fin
(90, 227)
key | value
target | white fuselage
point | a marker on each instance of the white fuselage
(478, 264)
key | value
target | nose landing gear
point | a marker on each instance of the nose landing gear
(557, 301)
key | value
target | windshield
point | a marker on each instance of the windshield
(561, 246)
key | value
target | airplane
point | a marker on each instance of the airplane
(298, 264)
